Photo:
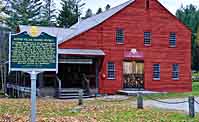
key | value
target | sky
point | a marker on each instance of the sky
(171, 5)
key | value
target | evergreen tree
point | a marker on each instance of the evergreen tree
(70, 12)
(1, 11)
(107, 7)
(3, 5)
(189, 15)
(88, 14)
(24, 12)
(99, 11)
(48, 13)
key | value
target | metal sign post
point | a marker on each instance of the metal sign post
(33, 75)
(33, 53)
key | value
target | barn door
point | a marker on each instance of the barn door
(133, 73)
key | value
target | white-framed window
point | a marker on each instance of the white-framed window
(119, 36)
(147, 38)
(111, 70)
(175, 72)
(172, 39)
(156, 71)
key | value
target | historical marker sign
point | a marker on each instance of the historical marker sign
(29, 53)
(33, 54)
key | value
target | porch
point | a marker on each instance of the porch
(78, 69)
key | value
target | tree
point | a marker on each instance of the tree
(107, 7)
(70, 12)
(1, 10)
(196, 49)
(3, 55)
(189, 15)
(3, 5)
(88, 14)
(48, 13)
(23, 12)
(99, 11)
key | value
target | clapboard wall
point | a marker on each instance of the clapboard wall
(135, 19)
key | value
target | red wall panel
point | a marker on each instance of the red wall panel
(135, 20)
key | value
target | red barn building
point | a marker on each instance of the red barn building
(136, 45)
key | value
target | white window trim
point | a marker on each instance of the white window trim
(123, 36)
(156, 72)
(156, 78)
(111, 78)
(173, 46)
(149, 38)
(178, 71)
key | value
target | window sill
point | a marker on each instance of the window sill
(147, 45)
(110, 78)
(119, 43)
(156, 79)
(172, 46)
(175, 79)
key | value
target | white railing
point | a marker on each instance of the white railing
(59, 83)
(20, 88)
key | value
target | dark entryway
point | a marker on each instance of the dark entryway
(79, 73)
(75, 75)
(133, 74)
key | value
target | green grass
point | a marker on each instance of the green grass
(92, 111)
(95, 110)
(196, 74)
(195, 92)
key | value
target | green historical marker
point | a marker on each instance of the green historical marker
(33, 54)
(28, 53)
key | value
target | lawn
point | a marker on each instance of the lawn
(195, 92)
(51, 110)
(95, 110)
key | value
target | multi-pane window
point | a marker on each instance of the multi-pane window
(172, 39)
(175, 71)
(156, 71)
(147, 38)
(111, 70)
(120, 35)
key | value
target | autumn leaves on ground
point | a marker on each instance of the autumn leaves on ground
(95, 110)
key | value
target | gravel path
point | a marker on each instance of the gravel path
(180, 106)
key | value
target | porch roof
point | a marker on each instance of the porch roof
(85, 52)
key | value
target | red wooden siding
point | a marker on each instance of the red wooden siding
(135, 20)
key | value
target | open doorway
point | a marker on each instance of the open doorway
(79, 74)
(133, 74)
(73, 75)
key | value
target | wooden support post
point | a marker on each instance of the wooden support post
(191, 106)
(80, 97)
(139, 101)
(97, 77)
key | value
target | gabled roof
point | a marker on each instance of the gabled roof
(64, 34)
(93, 21)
